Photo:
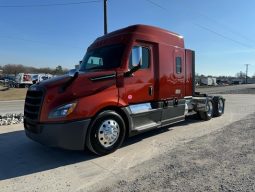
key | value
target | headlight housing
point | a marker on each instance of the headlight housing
(63, 111)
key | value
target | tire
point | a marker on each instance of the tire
(26, 86)
(106, 133)
(208, 114)
(218, 105)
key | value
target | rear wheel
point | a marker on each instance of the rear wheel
(207, 115)
(218, 105)
(106, 133)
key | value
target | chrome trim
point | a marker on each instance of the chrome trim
(139, 108)
(103, 77)
(209, 108)
(220, 106)
(108, 133)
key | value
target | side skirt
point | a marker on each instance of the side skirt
(147, 116)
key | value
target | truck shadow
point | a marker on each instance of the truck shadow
(189, 120)
(20, 156)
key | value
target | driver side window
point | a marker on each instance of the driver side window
(139, 55)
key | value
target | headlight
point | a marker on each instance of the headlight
(63, 111)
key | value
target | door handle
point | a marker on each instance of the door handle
(150, 90)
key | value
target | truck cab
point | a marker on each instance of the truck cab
(129, 81)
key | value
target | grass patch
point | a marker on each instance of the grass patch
(13, 94)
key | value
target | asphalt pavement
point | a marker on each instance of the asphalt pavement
(16, 106)
(28, 166)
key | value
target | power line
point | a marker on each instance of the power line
(223, 36)
(157, 5)
(44, 5)
(206, 28)
(224, 26)
(50, 4)
(39, 42)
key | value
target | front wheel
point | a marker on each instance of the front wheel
(106, 133)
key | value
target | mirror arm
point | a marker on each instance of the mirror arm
(131, 71)
(69, 82)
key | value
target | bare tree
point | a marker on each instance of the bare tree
(13, 69)
(60, 71)
(46, 70)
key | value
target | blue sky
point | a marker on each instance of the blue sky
(220, 31)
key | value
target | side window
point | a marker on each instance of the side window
(139, 55)
(178, 62)
(95, 61)
(145, 58)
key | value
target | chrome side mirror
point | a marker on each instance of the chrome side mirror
(135, 61)
(136, 56)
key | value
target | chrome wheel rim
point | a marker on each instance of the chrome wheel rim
(220, 106)
(108, 133)
(209, 108)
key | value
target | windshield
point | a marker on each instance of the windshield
(107, 57)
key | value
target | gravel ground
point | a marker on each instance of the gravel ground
(219, 161)
(215, 155)
(222, 161)
(245, 91)
(232, 89)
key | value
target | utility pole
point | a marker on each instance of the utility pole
(247, 69)
(105, 16)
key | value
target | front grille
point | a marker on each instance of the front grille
(33, 103)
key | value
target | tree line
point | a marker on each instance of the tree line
(19, 68)
(240, 75)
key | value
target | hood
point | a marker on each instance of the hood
(54, 81)
(84, 85)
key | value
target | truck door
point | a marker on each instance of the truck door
(179, 73)
(139, 88)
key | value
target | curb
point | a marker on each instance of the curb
(11, 101)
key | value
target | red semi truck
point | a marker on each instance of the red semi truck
(131, 80)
